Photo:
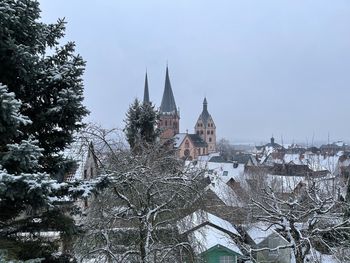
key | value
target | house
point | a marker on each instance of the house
(86, 161)
(213, 239)
(268, 244)
(225, 195)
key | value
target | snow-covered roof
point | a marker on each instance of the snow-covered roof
(208, 237)
(316, 162)
(200, 217)
(206, 158)
(316, 256)
(225, 193)
(283, 184)
(178, 139)
(223, 170)
(258, 232)
(77, 151)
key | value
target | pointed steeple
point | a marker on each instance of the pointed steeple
(146, 93)
(205, 114)
(168, 104)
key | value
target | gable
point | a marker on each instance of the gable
(209, 237)
(220, 250)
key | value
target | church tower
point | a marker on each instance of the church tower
(169, 115)
(205, 128)
(146, 92)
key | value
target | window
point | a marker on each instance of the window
(198, 132)
(209, 139)
(187, 153)
(227, 259)
(85, 174)
(212, 132)
(166, 123)
(91, 172)
(225, 173)
(202, 132)
(187, 144)
(208, 132)
(199, 151)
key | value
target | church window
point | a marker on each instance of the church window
(208, 132)
(85, 174)
(209, 139)
(187, 152)
(212, 132)
(187, 144)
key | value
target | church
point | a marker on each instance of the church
(188, 146)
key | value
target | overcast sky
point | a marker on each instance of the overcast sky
(266, 67)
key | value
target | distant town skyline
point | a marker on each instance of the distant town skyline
(266, 67)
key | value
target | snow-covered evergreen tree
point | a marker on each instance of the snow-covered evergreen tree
(40, 109)
(49, 86)
(141, 124)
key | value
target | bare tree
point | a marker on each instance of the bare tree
(311, 219)
(134, 219)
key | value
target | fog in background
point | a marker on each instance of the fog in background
(266, 67)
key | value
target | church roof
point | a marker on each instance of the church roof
(168, 104)
(146, 93)
(197, 140)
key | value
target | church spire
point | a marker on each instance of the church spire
(168, 104)
(205, 114)
(146, 93)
